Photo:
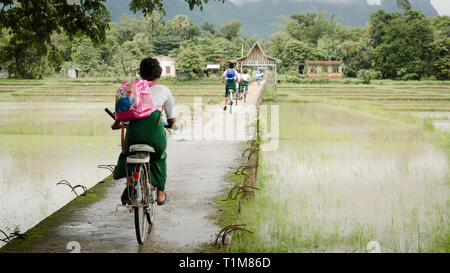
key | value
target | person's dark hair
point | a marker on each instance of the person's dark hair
(231, 65)
(245, 71)
(150, 69)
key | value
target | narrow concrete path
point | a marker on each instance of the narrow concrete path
(196, 176)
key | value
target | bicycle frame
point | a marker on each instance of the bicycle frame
(244, 93)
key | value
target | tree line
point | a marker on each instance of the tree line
(402, 46)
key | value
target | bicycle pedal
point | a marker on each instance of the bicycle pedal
(127, 207)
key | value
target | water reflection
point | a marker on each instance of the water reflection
(31, 165)
(441, 120)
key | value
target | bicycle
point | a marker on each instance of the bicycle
(143, 194)
(231, 92)
(244, 88)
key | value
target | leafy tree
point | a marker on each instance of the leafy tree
(231, 50)
(403, 49)
(231, 30)
(311, 27)
(142, 42)
(294, 52)
(405, 5)
(211, 53)
(163, 44)
(332, 48)
(189, 63)
(441, 25)
(276, 43)
(127, 57)
(182, 27)
(209, 28)
(85, 55)
(378, 23)
(128, 27)
(357, 56)
(441, 59)
(32, 22)
(154, 22)
(5, 61)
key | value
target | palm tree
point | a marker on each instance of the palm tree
(405, 5)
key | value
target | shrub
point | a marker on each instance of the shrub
(366, 75)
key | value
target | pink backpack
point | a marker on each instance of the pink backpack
(134, 101)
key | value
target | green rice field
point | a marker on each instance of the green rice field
(355, 167)
(100, 90)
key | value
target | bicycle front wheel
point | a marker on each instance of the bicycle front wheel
(141, 209)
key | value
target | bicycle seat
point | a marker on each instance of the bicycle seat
(138, 158)
(141, 148)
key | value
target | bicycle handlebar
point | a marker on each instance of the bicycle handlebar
(111, 114)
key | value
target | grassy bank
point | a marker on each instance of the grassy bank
(359, 171)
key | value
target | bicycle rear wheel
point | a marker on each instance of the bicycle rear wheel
(142, 217)
(230, 100)
(245, 94)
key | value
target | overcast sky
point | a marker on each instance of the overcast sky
(442, 6)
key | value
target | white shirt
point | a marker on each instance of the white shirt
(161, 95)
(246, 77)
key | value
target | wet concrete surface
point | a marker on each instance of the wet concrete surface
(187, 223)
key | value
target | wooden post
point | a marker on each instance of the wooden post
(275, 84)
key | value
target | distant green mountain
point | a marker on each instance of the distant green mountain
(262, 17)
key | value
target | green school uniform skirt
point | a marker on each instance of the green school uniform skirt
(241, 85)
(146, 131)
(230, 84)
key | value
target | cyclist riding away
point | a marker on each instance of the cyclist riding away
(149, 131)
(258, 75)
(230, 79)
(245, 79)
(238, 79)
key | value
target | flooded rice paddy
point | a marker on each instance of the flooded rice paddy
(43, 143)
(440, 120)
(343, 178)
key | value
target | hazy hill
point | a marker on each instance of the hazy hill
(261, 17)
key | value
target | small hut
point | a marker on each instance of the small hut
(73, 72)
(333, 69)
(212, 69)
(168, 66)
(257, 57)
